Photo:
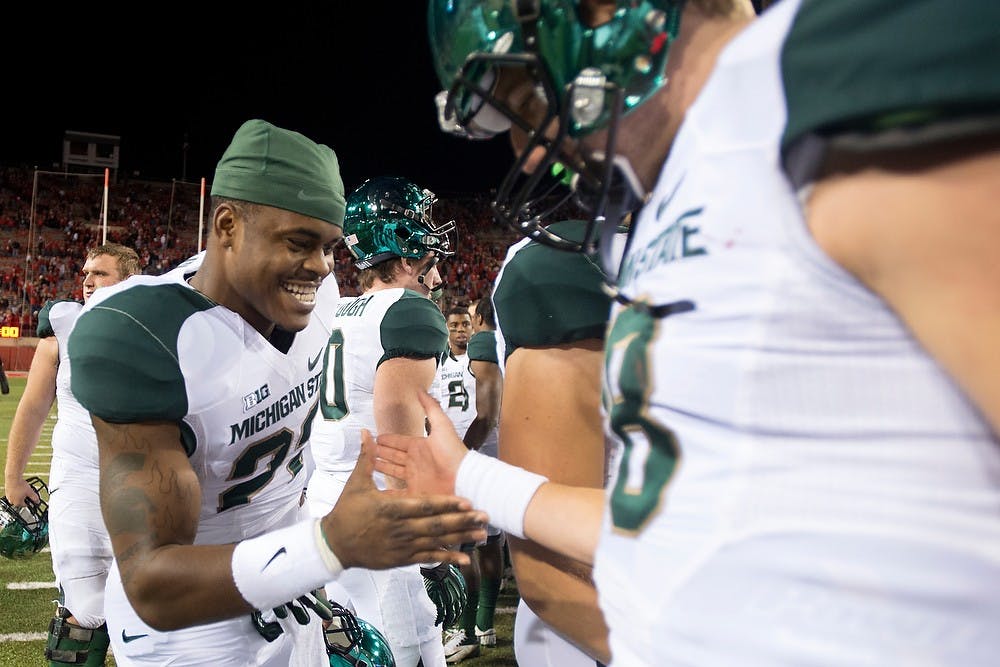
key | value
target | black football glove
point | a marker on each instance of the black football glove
(446, 588)
(266, 623)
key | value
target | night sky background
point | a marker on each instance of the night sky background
(357, 76)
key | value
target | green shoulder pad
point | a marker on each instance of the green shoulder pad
(124, 354)
(45, 329)
(483, 346)
(550, 297)
(413, 327)
(876, 65)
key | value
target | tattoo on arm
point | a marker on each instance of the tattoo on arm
(145, 500)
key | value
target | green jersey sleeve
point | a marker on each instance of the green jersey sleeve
(483, 347)
(547, 297)
(45, 328)
(124, 354)
(880, 65)
(413, 327)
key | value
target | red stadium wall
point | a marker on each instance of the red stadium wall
(17, 354)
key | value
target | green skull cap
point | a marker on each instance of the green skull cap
(268, 165)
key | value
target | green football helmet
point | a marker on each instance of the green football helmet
(354, 642)
(588, 77)
(388, 217)
(24, 531)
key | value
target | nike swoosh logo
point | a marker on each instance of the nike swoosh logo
(304, 197)
(131, 638)
(313, 362)
(276, 554)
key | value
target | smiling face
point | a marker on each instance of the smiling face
(274, 262)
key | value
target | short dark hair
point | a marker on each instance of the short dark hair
(484, 309)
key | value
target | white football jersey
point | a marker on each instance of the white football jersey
(155, 349)
(243, 405)
(801, 484)
(362, 332)
(74, 442)
(456, 391)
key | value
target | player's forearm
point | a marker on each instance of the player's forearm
(178, 586)
(566, 519)
(476, 434)
(561, 592)
(25, 431)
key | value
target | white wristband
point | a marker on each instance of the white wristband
(276, 567)
(501, 490)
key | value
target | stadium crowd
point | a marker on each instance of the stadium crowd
(161, 223)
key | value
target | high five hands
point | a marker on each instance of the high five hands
(426, 465)
(379, 529)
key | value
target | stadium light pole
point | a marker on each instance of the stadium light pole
(170, 211)
(104, 207)
(27, 251)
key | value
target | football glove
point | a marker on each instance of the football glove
(266, 622)
(446, 588)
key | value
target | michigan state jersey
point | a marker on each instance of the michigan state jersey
(801, 484)
(155, 349)
(73, 439)
(456, 390)
(362, 332)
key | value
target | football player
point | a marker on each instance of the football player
(457, 393)
(202, 385)
(482, 436)
(380, 348)
(808, 418)
(81, 548)
(551, 316)
(453, 379)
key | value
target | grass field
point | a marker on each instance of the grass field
(27, 588)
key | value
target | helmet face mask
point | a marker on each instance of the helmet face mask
(353, 642)
(589, 77)
(24, 531)
(388, 217)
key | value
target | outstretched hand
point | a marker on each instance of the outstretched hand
(384, 529)
(426, 465)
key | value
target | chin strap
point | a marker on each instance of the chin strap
(437, 292)
(427, 269)
(625, 196)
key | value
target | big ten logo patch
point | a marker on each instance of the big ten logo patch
(255, 397)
